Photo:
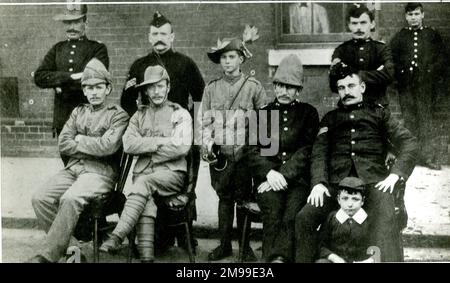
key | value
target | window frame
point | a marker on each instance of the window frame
(285, 40)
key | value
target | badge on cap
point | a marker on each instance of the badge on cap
(159, 20)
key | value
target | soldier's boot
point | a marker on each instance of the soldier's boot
(249, 255)
(145, 237)
(134, 206)
(226, 217)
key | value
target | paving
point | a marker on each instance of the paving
(427, 200)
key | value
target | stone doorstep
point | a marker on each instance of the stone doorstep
(210, 232)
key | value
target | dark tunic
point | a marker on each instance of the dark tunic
(348, 240)
(367, 56)
(297, 129)
(359, 136)
(64, 59)
(185, 79)
(420, 62)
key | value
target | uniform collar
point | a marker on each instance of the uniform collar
(165, 54)
(419, 29)
(232, 79)
(281, 105)
(362, 41)
(351, 107)
(360, 216)
(82, 38)
(91, 107)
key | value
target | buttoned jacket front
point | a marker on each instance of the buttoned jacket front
(359, 136)
(64, 59)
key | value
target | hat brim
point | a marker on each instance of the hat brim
(215, 56)
(296, 84)
(64, 17)
(94, 81)
(148, 82)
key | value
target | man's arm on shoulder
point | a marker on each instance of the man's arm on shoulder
(384, 74)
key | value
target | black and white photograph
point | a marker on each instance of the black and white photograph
(224, 132)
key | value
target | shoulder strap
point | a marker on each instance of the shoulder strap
(238, 92)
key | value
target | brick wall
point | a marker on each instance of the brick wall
(28, 32)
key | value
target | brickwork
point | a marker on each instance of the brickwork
(28, 32)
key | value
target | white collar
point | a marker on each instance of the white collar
(360, 216)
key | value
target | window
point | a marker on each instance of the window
(317, 22)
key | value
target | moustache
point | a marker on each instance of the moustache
(72, 30)
(347, 97)
(160, 42)
(359, 33)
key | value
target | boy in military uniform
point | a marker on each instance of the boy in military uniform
(417, 51)
(283, 178)
(344, 237)
(225, 101)
(160, 133)
(352, 142)
(63, 65)
(372, 59)
(90, 137)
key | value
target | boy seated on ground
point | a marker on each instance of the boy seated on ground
(344, 235)
(90, 137)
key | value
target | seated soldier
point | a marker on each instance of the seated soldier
(344, 235)
(90, 137)
(161, 135)
(352, 142)
(282, 178)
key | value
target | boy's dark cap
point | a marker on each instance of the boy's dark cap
(159, 20)
(352, 183)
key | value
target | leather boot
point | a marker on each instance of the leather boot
(249, 255)
(226, 217)
(145, 237)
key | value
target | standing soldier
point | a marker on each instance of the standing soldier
(419, 64)
(186, 80)
(371, 58)
(63, 65)
(225, 101)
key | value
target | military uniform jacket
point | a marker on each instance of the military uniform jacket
(161, 136)
(298, 124)
(359, 136)
(368, 56)
(226, 104)
(101, 133)
(64, 59)
(185, 79)
(418, 54)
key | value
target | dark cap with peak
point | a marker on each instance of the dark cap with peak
(159, 20)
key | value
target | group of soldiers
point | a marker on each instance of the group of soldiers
(296, 187)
